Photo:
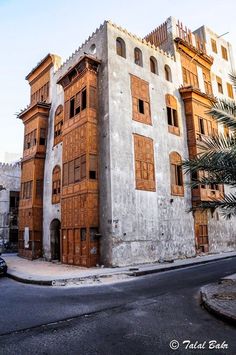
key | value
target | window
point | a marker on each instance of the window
(77, 103)
(26, 190)
(172, 116)
(168, 75)
(75, 171)
(39, 189)
(65, 174)
(140, 100)
(30, 140)
(230, 90)
(144, 163)
(42, 138)
(141, 106)
(41, 95)
(56, 184)
(71, 177)
(213, 45)
(153, 65)
(224, 53)
(72, 107)
(177, 186)
(58, 124)
(201, 125)
(219, 84)
(120, 47)
(138, 57)
(93, 167)
(84, 99)
(190, 77)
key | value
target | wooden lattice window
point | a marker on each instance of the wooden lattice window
(30, 139)
(39, 189)
(56, 184)
(144, 163)
(172, 114)
(140, 100)
(213, 45)
(26, 190)
(138, 57)
(168, 75)
(120, 47)
(176, 173)
(224, 53)
(153, 65)
(58, 124)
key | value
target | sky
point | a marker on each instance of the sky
(30, 29)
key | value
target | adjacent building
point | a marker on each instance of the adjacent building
(9, 202)
(105, 136)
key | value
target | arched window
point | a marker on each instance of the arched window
(120, 47)
(56, 184)
(176, 174)
(138, 57)
(172, 114)
(168, 75)
(153, 65)
(58, 123)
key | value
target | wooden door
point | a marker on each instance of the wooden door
(201, 231)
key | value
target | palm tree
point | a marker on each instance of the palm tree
(216, 162)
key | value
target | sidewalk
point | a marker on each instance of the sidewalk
(55, 274)
(220, 298)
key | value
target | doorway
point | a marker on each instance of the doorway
(201, 231)
(55, 234)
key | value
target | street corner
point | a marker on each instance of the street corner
(220, 299)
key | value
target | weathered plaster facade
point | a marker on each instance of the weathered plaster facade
(135, 225)
(9, 182)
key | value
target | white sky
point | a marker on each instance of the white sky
(30, 29)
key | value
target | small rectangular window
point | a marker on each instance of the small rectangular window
(65, 174)
(77, 103)
(179, 176)
(175, 118)
(72, 108)
(213, 45)
(83, 167)
(77, 170)
(224, 53)
(83, 234)
(71, 172)
(42, 139)
(201, 126)
(39, 188)
(84, 99)
(230, 91)
(141, 106)
(169, 116)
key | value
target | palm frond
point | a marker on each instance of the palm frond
(226, 206)
(233, 78)
(224, 111)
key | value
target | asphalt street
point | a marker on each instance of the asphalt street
(141, 316)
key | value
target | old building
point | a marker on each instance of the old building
(105, 135)
(9, 201)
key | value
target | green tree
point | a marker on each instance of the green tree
(216, 161)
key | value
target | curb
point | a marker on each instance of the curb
(96, 277)
(219, 312)
(174, 267)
